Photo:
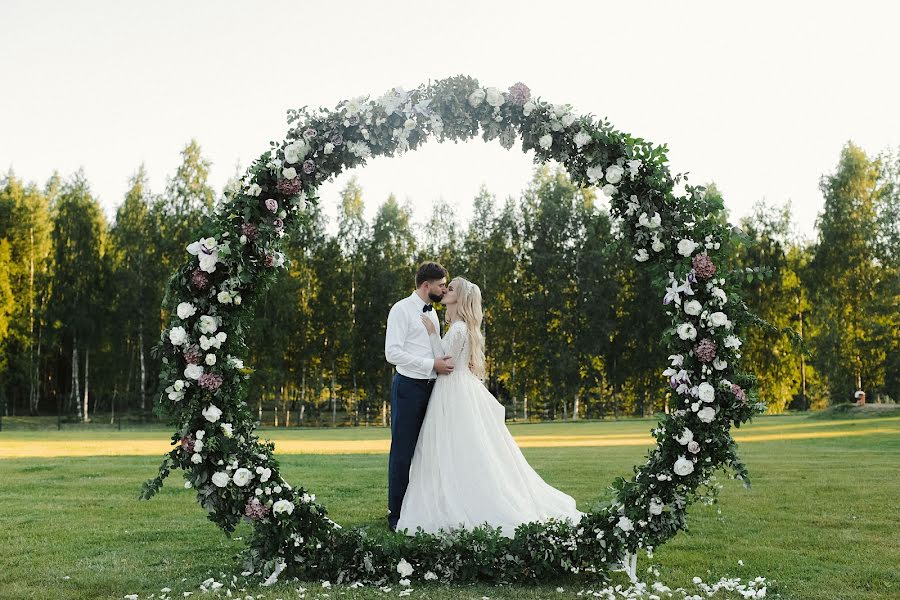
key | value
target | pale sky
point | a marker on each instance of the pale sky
(758, 97)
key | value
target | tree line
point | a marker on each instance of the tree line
(572, 324)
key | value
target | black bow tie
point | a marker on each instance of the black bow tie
(427, 308)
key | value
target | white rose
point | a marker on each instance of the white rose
(719, 293)
(719, 364)
(193, 371)
(329, 148)
(289, 173)
(430, 576)
(693, 447)
(546, 141)
(641, 255)
(656, 506)
(614, 173)
(200, 434)
(609, 190)
(625, 523)
(567, 119)
(178, 336)
(693, 307)
(228, 429)
(528, 108)
(683, 466)
(686, 247)
(283, 506)
(582, 138)
(718, 319)
(732, 342)
(179, 384)
(221, 337)
(210, 359)
(686, 437)
(208, 324)
(706, 392)
(650, 222)
(707, 414)
(476, 97)
(686, 331)
(185, 310)
(212, 413)
(198, 445)
(404, 568)
(657, 245)
(220, 479)
(223, 297)
(242, 477)
(196, 459)
(494, 97)
(594, 173)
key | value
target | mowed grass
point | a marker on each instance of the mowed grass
(822, 518)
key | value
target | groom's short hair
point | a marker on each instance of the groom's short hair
(429, 271)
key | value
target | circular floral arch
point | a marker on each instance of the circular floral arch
(203, 378)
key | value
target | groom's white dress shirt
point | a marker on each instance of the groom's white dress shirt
(406, 343)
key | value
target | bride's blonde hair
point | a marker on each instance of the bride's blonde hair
(468, 299)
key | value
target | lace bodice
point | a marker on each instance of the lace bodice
(454, 343)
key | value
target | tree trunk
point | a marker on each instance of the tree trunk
(87, 358)
(75, 396)
(575, 409)
(333, 398)
(143, 390)
(384, 413)
(31, 382)
(565, 410)
(37, 373)
(525, 408)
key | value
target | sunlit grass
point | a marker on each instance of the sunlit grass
(376, 440)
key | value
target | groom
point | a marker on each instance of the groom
(406, 346)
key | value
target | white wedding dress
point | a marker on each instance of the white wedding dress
(467, 470)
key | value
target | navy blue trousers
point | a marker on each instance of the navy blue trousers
(409, 399)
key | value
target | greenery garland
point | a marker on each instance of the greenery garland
(210, 298)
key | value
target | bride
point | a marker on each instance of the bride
(467, 470)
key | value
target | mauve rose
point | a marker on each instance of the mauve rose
(187, 443)
(309, 166)
(337, 138)
(279, 224)
(693, 447)
(310, 133)
(354, 120)
(272, 205)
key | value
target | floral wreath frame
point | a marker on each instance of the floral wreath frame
(203, 378)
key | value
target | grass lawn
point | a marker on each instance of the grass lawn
(822, 519)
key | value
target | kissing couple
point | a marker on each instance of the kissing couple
(453, 463)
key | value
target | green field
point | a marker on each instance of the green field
(822, 519)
